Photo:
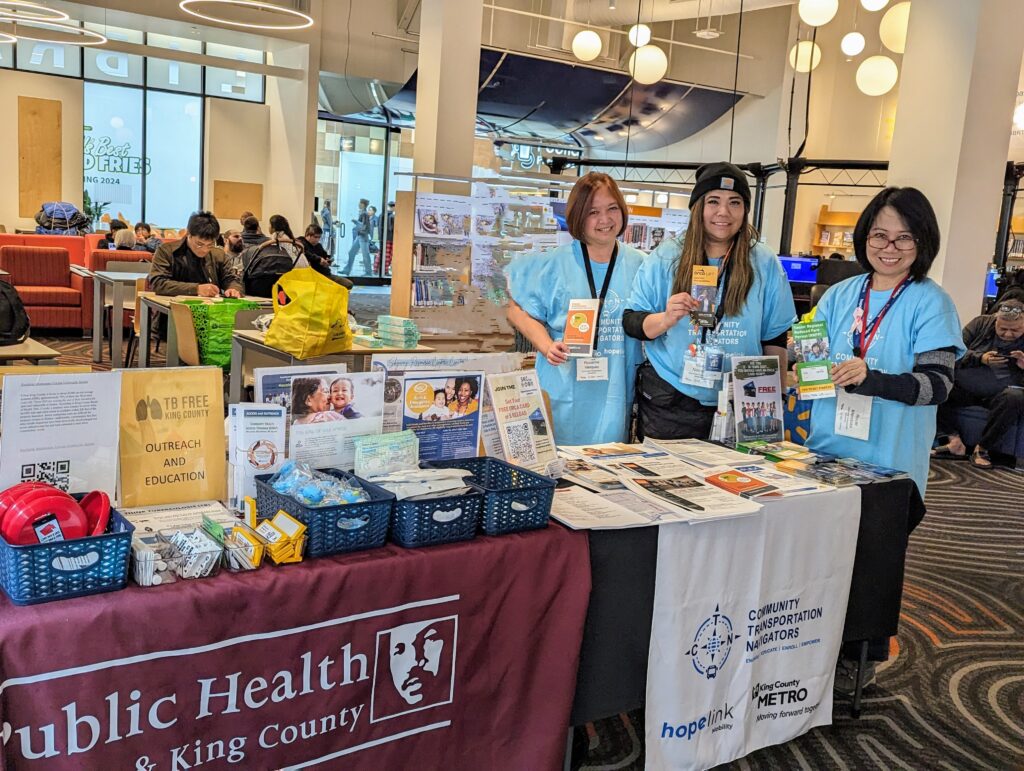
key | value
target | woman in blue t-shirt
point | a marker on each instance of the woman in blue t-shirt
(894, 336)
(678, 388)
(591, 398)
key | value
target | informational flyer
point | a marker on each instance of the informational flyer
(62, 430)
(813, 369)
(395, 365)
(327, 413)
(383, 453)
(273, 385)
(172, 436)
(757, 398)
(256, 445)
(700, 502)
(515, 406)
(705, 291)
(41, 369)
(444, 411)
(581, 326)
(442, 216)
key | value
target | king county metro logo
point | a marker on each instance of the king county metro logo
(711, 644)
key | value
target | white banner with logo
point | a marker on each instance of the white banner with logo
(748, 620)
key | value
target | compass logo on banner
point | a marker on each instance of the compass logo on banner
(712, 644)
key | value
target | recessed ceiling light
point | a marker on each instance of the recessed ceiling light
(36, 29)
(286, 18)
(24, 10)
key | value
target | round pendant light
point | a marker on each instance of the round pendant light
(23, 10)
(852, 43)
(805, 56)
(876, 75)
(814, 13)
(586, 46)
(893, 28)
(254, 14)
(874, 5)
(648, 64)
(639, 35)
(50, 32)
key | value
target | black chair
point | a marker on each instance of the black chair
(833, 271)
(816, 293)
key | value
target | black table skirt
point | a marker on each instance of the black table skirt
(617, 636)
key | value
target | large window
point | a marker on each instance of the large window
(143, 169)
(235, 84)
(113, 159)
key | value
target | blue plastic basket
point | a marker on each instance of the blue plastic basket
(43, 572)
(515, 498)
(437, 520)
(332, 529)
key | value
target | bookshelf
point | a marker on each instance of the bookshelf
(833, 232)
(1015, 252)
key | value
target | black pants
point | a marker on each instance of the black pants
(978, 386)
(665, 413)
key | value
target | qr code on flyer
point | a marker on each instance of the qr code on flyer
(52, 472)
(519, 441)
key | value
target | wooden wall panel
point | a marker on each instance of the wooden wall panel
(232, 198)
(39, 153)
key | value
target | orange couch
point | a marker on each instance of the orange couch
(99, 258)
(54, 297)
(75, 245)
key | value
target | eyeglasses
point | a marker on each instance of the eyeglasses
(902, 243)
(197, 243)
(1011, 311)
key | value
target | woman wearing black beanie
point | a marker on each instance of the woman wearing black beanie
(687, 351)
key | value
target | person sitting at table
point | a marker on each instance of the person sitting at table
(310, 401)
(193, 265)
(124, 240)
(107, 242)
(319, 259)
(343, 393)
(251, 233)
(990, 374)
(144, 238)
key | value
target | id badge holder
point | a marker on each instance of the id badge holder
(693, 369)
(853, 415)
(714, 362)
(592, 368)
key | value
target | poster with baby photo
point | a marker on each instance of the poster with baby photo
(327, 412)
(443, 408)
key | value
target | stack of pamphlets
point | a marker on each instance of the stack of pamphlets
(827, 473)
(397, 331)
(590, 475)
(780, 451)
(698, 453)
(870, 472)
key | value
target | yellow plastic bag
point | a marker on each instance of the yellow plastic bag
(310, 315)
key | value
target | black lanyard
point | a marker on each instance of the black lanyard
(604, 286)
(723, 285)
(867, 331)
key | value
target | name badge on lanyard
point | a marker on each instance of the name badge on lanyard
(596, 367)
(853, 411)
(695, 371)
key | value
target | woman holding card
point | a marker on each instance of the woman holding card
(894, 337)
(689, 347)
(590, 387)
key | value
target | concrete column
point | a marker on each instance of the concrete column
(957, 87)
(447, 79)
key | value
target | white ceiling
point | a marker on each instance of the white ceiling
(628, 11)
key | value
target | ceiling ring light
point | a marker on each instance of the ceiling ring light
(12, 9)
(88, 36)
(6, 37)
(302, 20)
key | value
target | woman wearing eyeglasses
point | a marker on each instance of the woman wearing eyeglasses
(894, 336)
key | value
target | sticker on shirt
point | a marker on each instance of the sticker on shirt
(853, 415)
(595, 368)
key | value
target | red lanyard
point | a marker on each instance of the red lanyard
(868, 332)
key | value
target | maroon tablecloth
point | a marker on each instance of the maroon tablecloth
(458, 657)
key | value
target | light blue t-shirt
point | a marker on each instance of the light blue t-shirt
(586, 412)
(922, 319)
(767, 313)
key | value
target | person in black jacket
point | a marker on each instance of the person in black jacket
(991, 374)
(251, 235)
(319, 259)
(107, 242)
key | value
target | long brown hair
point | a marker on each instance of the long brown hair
(741, 271)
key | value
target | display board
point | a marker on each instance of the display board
(451, 252)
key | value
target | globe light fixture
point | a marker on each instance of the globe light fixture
(639, 35)
(254, 14)
(893, 28)
(805, 56)
(852, 43)
(814, 13)
(874, 5)
(876, 75)
(648, 64)
(586, 46)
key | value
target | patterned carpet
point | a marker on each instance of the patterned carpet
(951, 695)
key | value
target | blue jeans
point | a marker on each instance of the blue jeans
(360, 244)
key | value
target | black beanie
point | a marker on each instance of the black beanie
(720, 176)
